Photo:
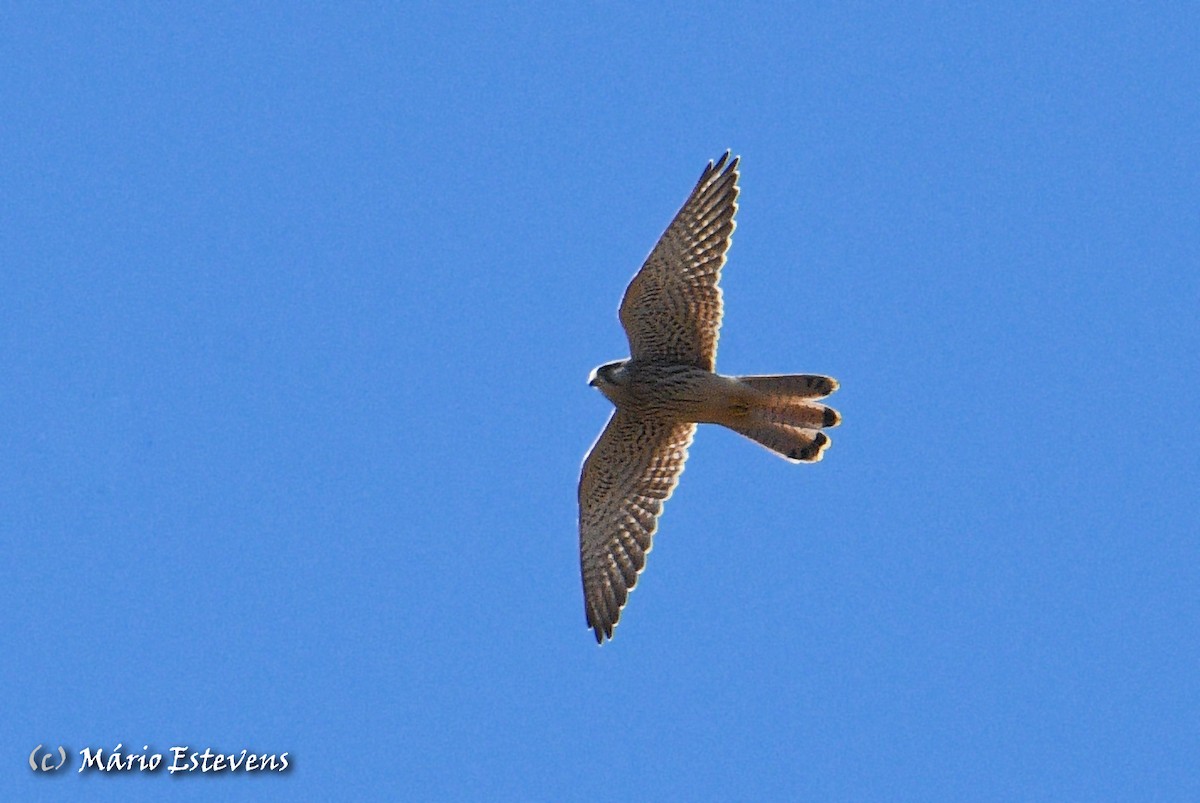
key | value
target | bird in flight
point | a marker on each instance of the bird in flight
(671, 313)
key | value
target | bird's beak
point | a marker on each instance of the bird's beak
(592, 379)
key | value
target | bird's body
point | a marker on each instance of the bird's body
(672, 313)
(688, 394)
(652, 389)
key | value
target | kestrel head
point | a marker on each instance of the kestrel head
(610, 378)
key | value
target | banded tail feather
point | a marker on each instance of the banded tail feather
(780, 413)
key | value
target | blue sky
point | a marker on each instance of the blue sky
(297, 309)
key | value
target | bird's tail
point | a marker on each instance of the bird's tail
(782, 414)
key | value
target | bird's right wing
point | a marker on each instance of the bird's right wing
(628, 474)
(672, 309)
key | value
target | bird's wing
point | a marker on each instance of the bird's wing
(672, 309)
(628, 474)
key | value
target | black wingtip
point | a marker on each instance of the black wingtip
(602, 632)
(598, 624)
(721, 166)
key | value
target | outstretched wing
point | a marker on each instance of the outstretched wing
(672, 309)
(630, 471)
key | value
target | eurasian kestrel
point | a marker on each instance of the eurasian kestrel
(672, 313)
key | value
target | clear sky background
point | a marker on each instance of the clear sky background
(297, 309)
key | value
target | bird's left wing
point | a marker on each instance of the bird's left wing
(628, 474)
(672, 309)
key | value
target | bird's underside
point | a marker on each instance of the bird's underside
(672, 313)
